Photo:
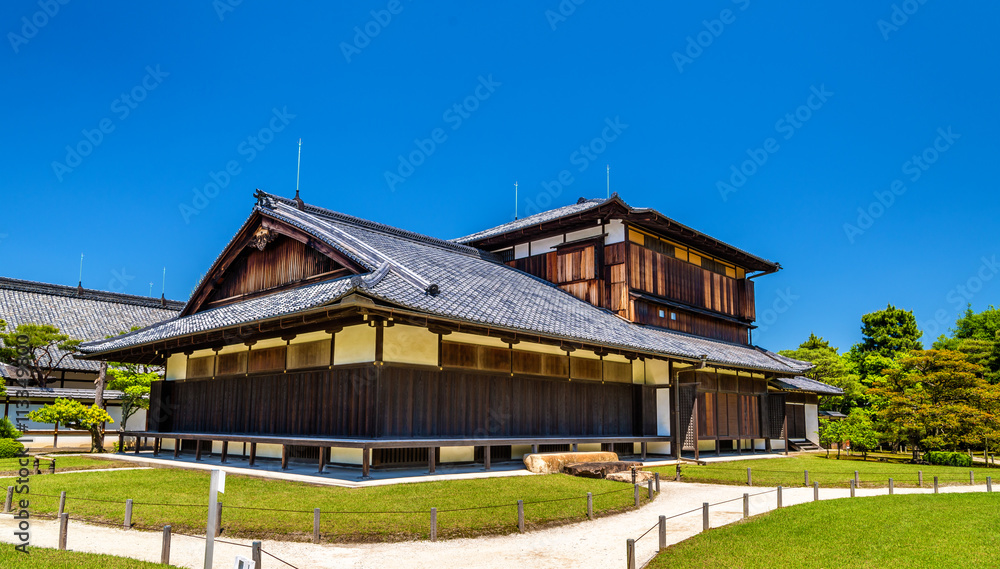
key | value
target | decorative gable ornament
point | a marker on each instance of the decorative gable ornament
(262, 237)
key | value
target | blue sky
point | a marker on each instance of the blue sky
(829, 102)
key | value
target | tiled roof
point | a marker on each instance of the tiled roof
(64, 392)
(580, 206)
(472, 287)
(83, 314)
(802, 383)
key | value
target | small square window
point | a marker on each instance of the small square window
(673, 316)
(662, 314)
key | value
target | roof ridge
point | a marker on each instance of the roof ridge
(376, 226)
(87, 293)
(495, 230)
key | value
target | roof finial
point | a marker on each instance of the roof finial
(515, 200)
(79, 286)
(609, 181)
(298, 169)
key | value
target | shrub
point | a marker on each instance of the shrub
(9, 448)
(8, 430)
(948, 458)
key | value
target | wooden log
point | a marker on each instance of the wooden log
(255, 554)
(749, 477)
(218, 519)
(520, 516)
(635, 488)
(807, 478)
(852, 487)
(746, 506)
(677, 473)
(890, 486)
(62, 502)
(52, 466)
(920, 478)
(705, 525)
(165, 547)
(935, 484)
(656, 480)
(63, 528)
(989, 483)
(857, 480)
(815, 491)
(972, 478)
(590, 505)
(630, 554)
(128, 513)
(10, 499)
(434, 524)
(779, 497)
(316, 518)
(663, 532)
(649, 488)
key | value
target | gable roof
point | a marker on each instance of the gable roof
(83, 314)
(643, 216)
(802, 383)
(446, 279)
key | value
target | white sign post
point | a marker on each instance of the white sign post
(216, 484)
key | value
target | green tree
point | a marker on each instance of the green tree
(133, 381)
(832, 368)
(891, 332)
(937, 399)
(47, 348)
(73, 414)
(829, 434)
(978, 336)
(859, 428)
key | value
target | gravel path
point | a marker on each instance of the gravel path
(598, 544)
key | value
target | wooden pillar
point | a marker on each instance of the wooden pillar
(225, 451)
(694, 415)
(197, 449)
(156, 446)
(642, 445)
(784, 430)
(365, 462)
(253, 453)
(486, 457)
(675, 414)
(284, 457)
(322, 460)
(177, 447)
(431, 467)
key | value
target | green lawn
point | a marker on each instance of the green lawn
(9, 466)
(157, 493)
(902, 532)
(54, 559)
(829, 472)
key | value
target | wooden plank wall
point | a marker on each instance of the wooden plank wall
(649, 313)
(402, 401)
(663, 275)
(281, 262)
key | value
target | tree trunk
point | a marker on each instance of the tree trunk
(99, 386)
(97, 434)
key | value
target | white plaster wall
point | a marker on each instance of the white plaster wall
(458, 454)
(410, 344)
(520, 250)
(269, 450)
(658, 448)
(663, 412)
(519, 451)
(615, 230)
(812, 423)
(176, 367)
(589, 447)
(584, 233)
(354, 344)
(545, 245)
(657, 372)
(347, 455)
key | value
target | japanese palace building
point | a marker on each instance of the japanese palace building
(322, 336)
